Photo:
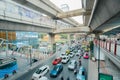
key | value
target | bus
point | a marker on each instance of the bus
(8, 66)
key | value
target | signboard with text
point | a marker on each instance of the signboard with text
(103, 76)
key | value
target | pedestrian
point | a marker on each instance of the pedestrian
(62, 78)
(79, 62)
(68, 78)
(75, 71)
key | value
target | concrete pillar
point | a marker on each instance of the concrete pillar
(110, 46)
(69, 40)
(75, 37)
(115, 49)
(6, 43)
(51, 40)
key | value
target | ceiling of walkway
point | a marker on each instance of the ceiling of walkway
(106, 17)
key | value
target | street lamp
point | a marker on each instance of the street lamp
(98, 57)
(30, 56)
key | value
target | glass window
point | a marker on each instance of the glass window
(38, 71)
(44, 69)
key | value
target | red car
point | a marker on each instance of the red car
(56, 61)
(86, 56)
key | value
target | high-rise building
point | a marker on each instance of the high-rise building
(65, 7)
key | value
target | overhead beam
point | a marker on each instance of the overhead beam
(83, 29)
(15, 26)
(73, 13)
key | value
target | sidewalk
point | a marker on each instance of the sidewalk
(104, 68)
(92, 70)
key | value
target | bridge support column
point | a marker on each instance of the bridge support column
(52, 42)
(75, 37)
(69, 40)
(7, 43)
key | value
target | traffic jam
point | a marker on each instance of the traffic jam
(74, 65)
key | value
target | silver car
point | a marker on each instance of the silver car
(72, 65)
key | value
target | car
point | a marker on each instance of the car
(40, 72)
(79, 51)
(86, 56)
(65, 59)
(34, 60)
(77, 54)
(72, 65)
(43, 78)
(62, 55)
(56, 70)
(67, 52)
(71, 54)
(56, 61)
(81, 74)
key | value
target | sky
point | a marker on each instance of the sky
(73, 4)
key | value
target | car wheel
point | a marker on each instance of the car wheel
(6, 76)
(48, 70)
(14, 71)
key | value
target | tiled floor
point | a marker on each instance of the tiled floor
(106, 67)
(92, 71)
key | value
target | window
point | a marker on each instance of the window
(38, 71)
(44, 69)
(83, 73)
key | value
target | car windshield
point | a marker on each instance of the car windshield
(38, 71)
(55, 68)
(71, 63)
(64, 58)
(82, 73)
(62, 54)
(55, 59)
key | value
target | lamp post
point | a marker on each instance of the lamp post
(6, 43)
(30, 50)
(98, 57)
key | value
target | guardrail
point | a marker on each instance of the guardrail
(111, 50)
(5, 15)
(41, 21)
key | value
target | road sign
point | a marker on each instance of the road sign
(103, 76)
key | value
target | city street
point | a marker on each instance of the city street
(65, 73)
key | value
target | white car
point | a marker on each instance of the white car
(40, 72)
(72, 65)
(62, 55)
(43, 78)
(65, 59)
(71, 54)
(77, 54)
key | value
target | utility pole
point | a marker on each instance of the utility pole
(98, 57)
(6, 43)
(30, 50)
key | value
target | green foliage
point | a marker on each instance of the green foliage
(41, 35)
(54, 48)
(91, 46)
(63, 36)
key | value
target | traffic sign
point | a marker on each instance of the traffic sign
(103, 76)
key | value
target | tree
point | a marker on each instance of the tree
(91, 46)
(63, 36)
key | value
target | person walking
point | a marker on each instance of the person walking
(62, 78)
